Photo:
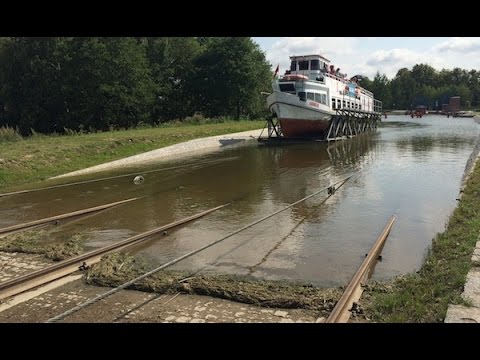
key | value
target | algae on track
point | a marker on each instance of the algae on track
(35, 242)
(117, 268)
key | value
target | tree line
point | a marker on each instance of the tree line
(424, 85)
(58, 84)
(99, 83)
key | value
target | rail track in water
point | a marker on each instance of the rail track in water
(29, 281)
(27, 286)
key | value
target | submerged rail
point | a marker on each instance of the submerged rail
(65, 267)
(18, 192)
(352, 292)
(55, 218)
(331, 189)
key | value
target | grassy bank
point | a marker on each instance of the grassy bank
(27, 160)
(425, 295)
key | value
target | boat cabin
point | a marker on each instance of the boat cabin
(312, 66)
(315, 81)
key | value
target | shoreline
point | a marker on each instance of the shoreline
(176, 151)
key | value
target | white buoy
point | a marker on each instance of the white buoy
(138, 179)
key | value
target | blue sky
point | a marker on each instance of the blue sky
(367, 55)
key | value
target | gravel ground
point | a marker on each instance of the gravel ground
(139, 307)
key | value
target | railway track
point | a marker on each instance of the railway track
(34, 279)
(353, 291)
(56, 219)
(330, 191)
(60, 270)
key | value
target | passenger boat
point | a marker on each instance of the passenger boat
(464, 114)
(306, 97)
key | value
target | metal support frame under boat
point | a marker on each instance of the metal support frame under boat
(274, 129)
(345, 124)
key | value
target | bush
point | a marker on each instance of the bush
(196, 118)
(8, 134)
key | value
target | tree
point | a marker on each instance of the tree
(231, 73)
(381, 90)
(424, 74)
(29, 80)
(403, 89)
(49, 84)
(172, 64)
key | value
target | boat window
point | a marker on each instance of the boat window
(303, 65)
(344, 104)
(287, 87)
(333, 103)
(324, 99)
(302, 95)
(293, 66)
(318, 97)
(314, 64)
(360, 107)
(310, 96)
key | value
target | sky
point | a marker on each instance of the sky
(367, 55)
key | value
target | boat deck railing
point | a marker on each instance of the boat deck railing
(377, 106)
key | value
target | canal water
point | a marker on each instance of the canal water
(411, 168)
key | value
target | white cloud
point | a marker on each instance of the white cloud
(394, 56)
(315, 45)
(390, 61)
(462, 45)
(359, 55)
(281, 50)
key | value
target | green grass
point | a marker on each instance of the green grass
(425, 295)
(8, 134)
(39, 157)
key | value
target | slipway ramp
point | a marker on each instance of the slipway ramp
(196, 146)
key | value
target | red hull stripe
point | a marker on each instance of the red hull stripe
(304, 128)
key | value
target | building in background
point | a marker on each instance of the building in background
(454, 105)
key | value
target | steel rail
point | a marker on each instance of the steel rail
(65, 267)
(193, 252)
(340, 311)
(34, 223)
(105, 178)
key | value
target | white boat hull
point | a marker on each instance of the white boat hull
(299, 118)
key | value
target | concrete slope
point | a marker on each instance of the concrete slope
(196, 146)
